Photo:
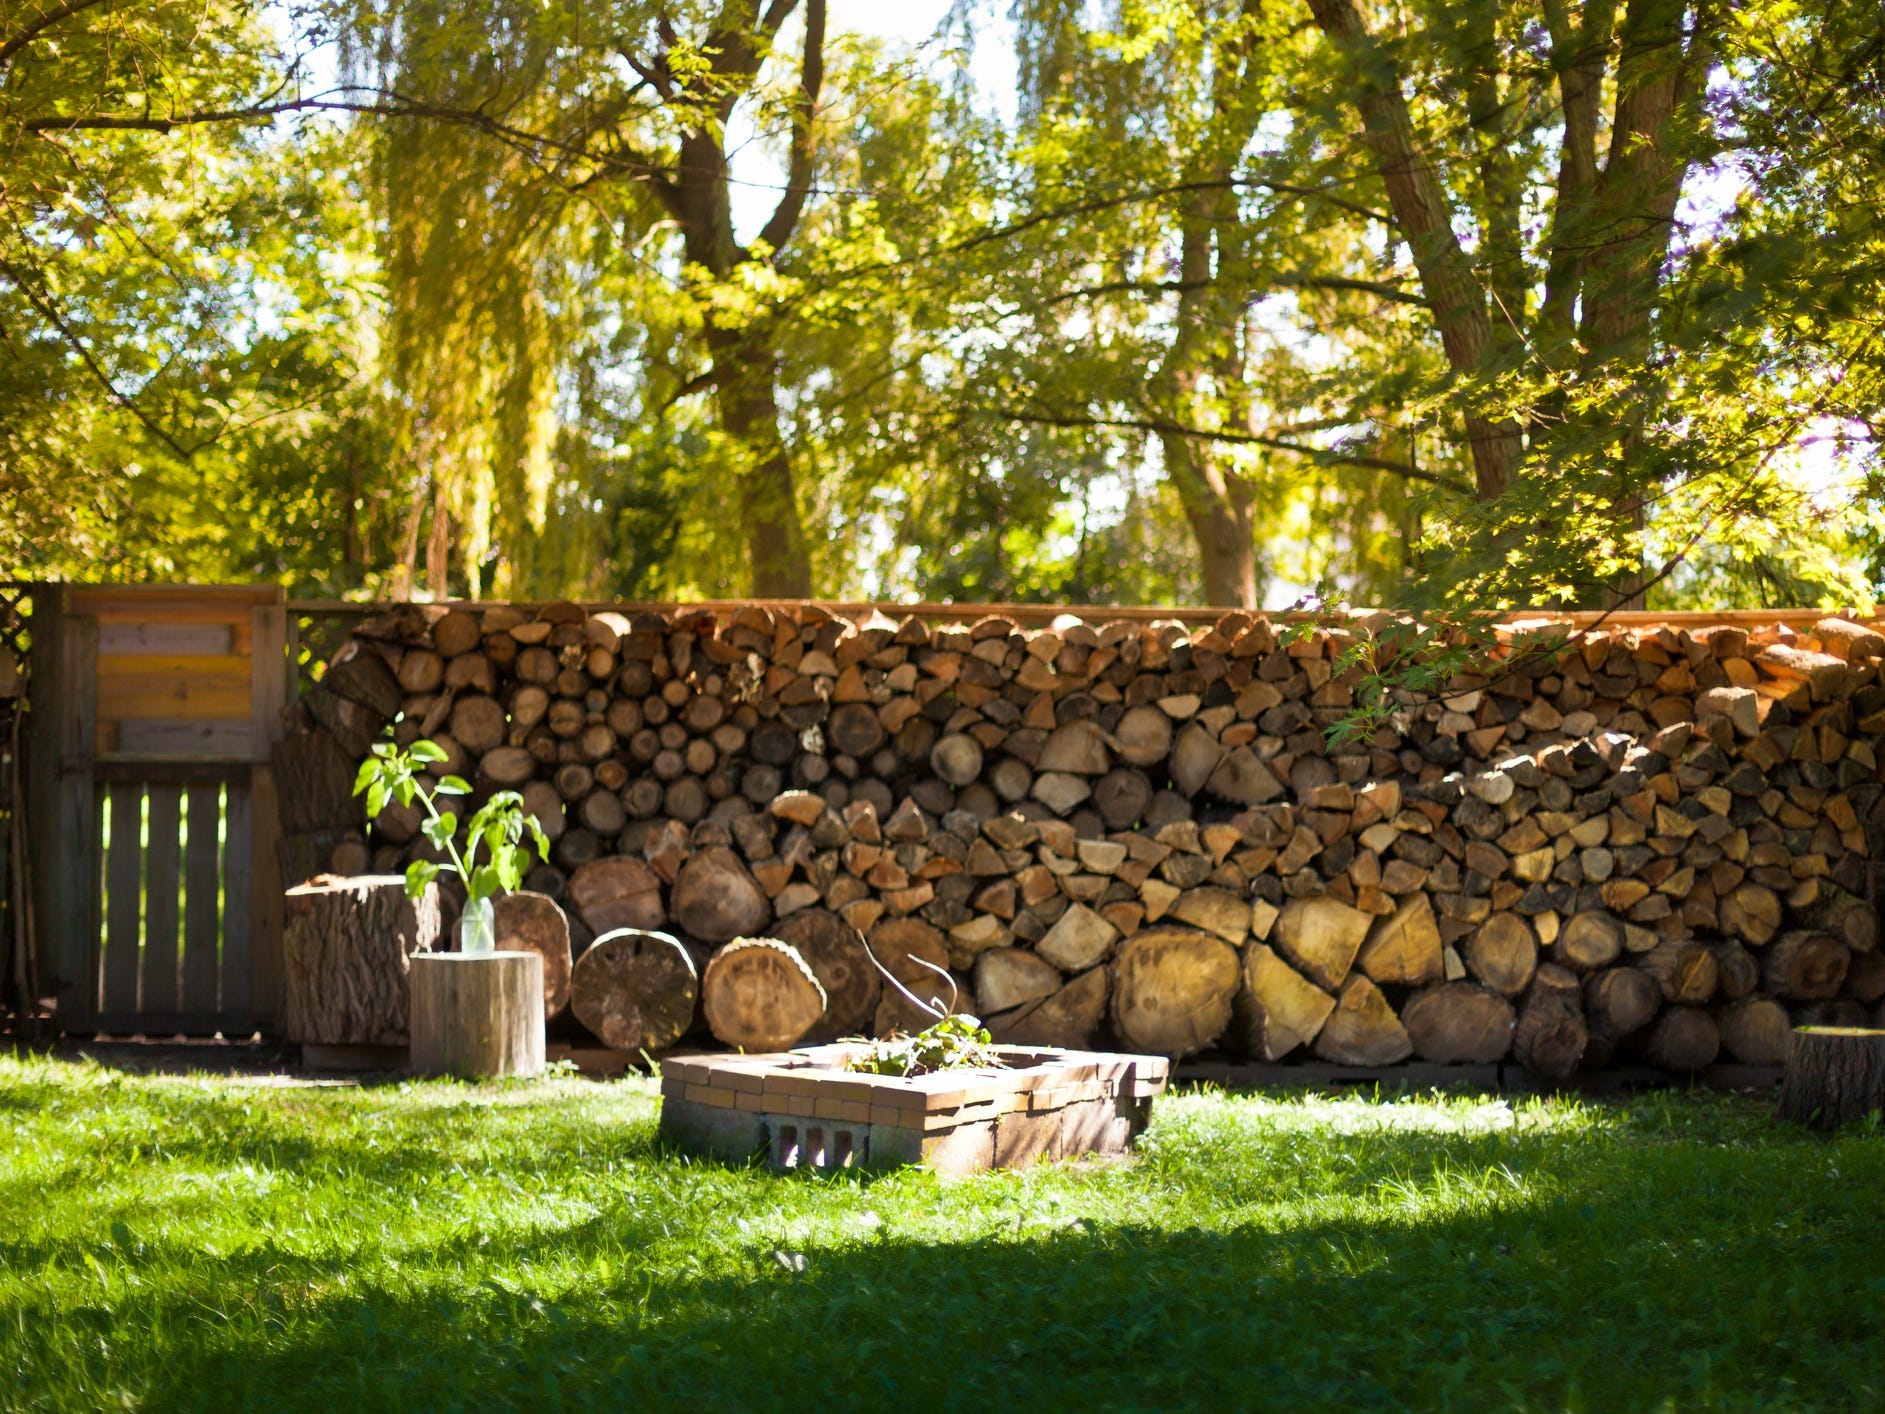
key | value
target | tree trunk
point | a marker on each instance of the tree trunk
(777, 556)
(1835, 1075)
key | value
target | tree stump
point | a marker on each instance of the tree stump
(346, 943)
(477, 1016)
(1835, 1075)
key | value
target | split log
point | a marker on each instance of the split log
(1404, 948)
(758, 996)
(531, 922)
(635, 989)
(1685, 971)
(346, 950)
(1070, 1017)
(1363, 1029)
(716, 899)
(1459, 1023)
(618, 892)
(1006, 978)
(1551, 1034)
(895, 942)
(1173, 989)
(1835, 1076)
(1805, 967)
(1321, 936)
(1752, 913)
(836, 954)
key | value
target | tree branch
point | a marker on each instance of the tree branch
(1305, 282)
(1321, 455)
(785, 216)
(41, 24)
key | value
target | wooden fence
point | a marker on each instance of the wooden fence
(151, 805)
(151, 817)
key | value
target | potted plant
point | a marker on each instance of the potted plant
(498, 828)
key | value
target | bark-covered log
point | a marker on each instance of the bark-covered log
(1755, 1031)
(1551, 1034)
(346, 950)
(477, 1016)
(716, 898)
(1684, 1039)
(1459, 1023)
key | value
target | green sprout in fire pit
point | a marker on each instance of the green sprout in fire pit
(956, 1041)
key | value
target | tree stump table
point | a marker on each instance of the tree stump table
(1835, 1075)
(347, 945)
(478, 1016)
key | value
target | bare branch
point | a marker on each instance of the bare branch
(1322, 455)
(785, 216)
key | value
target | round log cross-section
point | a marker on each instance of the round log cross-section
(758, 995)
(1835, 1075)
(477, 1016)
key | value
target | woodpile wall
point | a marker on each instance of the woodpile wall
(1651, 845)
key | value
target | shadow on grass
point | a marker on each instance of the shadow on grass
(1620, 1269)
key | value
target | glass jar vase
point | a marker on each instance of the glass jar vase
(477, 927)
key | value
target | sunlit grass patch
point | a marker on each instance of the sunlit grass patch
(232, 1244)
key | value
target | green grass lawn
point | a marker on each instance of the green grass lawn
(221, 1243)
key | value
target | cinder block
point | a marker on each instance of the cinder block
(733, 1135)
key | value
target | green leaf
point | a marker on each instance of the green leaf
(369, 770)
(453, 785)
(484, 882)
(440, 830)
(430, 752)
(419, 873)
(405, 789)
(377, 796)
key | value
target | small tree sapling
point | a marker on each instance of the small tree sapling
(498, 827)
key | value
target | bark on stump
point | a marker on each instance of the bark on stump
(346, 943)
(477, 1016)
(1835, 1075)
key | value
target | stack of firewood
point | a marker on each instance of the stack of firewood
(1650, 845)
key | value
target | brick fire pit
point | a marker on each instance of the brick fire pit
(803, 1109)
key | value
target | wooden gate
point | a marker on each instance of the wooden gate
(152, 809)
